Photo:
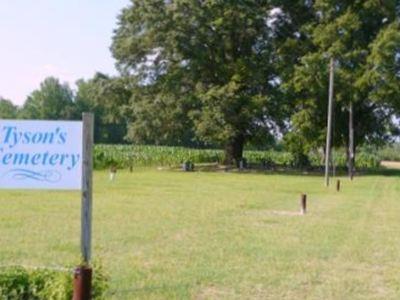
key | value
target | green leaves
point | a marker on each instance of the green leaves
(108, 99)
(53, 101)
(349, 31)
(7, 109)
(224, 73)
(215, 53)
(384, 67)
(41, 284)
(338, 35)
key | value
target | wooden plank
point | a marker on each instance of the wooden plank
(87, 172)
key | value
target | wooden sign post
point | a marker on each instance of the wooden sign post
(53, 155)
(87, 171)
(83, 273)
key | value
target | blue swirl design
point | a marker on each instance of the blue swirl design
(50, 176)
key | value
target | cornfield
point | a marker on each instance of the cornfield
(125, 156)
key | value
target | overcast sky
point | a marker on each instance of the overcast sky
(68, 39)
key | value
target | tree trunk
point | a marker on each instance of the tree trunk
(351, 156)
(234, 151)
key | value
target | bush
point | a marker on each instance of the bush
(391, 153)
(367, 160)
(19, 283)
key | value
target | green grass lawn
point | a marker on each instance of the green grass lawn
(174, 235)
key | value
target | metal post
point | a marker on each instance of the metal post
(82, 283)
(329, 125)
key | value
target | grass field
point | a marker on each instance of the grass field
(174, 235)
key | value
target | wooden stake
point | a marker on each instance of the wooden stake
(303, 204)
(329, 125)
(87, 170)
(338, 185)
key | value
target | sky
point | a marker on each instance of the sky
(68, 39)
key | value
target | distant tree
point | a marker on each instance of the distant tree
(208, 65)
(383, 72)
(52, 101)
(344, 30)
(160, 117)
(7, 109)
(107, 98)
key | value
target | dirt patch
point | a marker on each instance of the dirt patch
(214, 292)
(391, 164)
(274, 212)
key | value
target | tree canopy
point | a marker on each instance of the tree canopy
(52, 101)
(107, 98)
(7, 109)
(240, 73)
(229, 72)
(215, 59)
(350, 32)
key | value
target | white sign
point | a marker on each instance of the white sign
(40, 154)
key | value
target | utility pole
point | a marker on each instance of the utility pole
(329, 125)
(351, 141)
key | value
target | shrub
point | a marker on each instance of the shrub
(367, 160)
(391, 153)
(19, 283)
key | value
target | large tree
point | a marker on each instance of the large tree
(205, 64)
(383, 73)
(7, 109)
(342, 30)
(107, 98)
(52, 101)
(160, 117)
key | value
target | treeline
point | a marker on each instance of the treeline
(243, 74)
(54, 100)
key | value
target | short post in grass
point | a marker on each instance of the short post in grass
(186, 166)
(83, 273)
(82, 283)
(338, 185)
(113, 172)
(242, 164)
(303, 204)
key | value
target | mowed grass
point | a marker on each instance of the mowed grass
(175, 235)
